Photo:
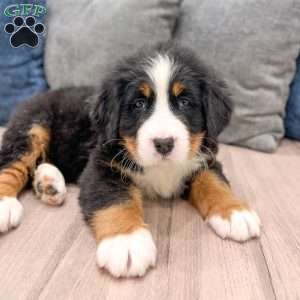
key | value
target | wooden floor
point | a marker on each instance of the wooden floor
(52, 254)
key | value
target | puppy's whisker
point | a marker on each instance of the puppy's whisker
(112, 161)
(126, 164)
(130, 164)
(110, 141)
(204, 156)
(210, 154)
(202, 160)
(205, 164)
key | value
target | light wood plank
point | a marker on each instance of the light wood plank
(86, 279)
(30, 254)
(271, 181)
(202, 266)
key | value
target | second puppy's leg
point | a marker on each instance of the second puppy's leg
(49, 184)
(18, 157)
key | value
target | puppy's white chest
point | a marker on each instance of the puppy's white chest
(165, 180)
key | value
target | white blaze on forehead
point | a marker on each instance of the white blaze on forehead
(160, 71)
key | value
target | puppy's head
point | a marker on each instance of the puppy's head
(161, 105)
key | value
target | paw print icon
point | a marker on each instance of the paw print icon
(24, 31)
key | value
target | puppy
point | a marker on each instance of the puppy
(149, 131)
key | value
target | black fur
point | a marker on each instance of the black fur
(87, 124)
(101, 187)
(66, 114)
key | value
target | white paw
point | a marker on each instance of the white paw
(240, 226)
(11, 212)
(127, 255)
(49, 184)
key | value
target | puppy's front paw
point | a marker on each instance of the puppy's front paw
(49, 184)
(127, 255)
(241, 225)
(11, 212)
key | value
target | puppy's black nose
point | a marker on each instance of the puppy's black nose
(164, 146)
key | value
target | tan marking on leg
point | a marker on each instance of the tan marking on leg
(119, 219)
(15, 176)
(210, 195)
(145, 89)
(177, 88)
(13, 179)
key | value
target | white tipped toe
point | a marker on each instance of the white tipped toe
(240, 226)
(11, 213)
(127, 255)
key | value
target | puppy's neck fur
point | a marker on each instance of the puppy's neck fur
(166, 180)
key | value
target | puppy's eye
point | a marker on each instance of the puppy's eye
(140, 104)
(183, 103)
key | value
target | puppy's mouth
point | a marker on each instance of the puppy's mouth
(155, 159)
(163, 158)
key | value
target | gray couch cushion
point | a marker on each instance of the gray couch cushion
(254, 44)
(2, 129)
(85, 37)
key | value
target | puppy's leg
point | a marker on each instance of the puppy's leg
(226, 214)
(18, 158)
(125, 245)
(49, 184)
(115, 214)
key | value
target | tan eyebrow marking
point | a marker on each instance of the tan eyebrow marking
(145, 89)
(178, 88)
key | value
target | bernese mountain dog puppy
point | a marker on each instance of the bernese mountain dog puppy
(150, 130)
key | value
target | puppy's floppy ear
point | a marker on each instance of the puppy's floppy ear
(105, 111)
(218, 106)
